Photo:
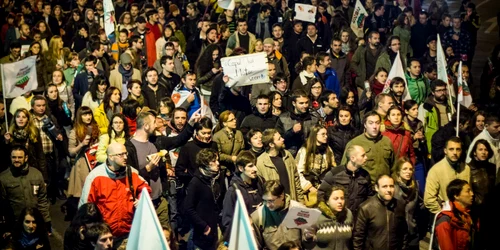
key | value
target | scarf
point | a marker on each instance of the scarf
(28, 240)
(377, 87)
(99, 96)
(304, 77)
(409, 191)
(258, 27)
(213, 177)
(462, 218)
(126, 75)
(275, 218)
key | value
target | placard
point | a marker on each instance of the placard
(358, 19)
(305, 12)
(246, 70)
(301, 217)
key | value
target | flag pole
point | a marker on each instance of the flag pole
(4, 101)
(458, 119)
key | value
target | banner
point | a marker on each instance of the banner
(242, 237)
(442, 73)
(301, 217)
(305, 12)
(246, 69)
(146, 231)
(109, 17)
(90, 156)
(464, 96)
(226, 4)
(397, 71)
(358, 19)
(19, 77)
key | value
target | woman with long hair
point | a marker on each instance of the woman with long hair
(229, 140)
(30, 231)
(349, 98)
(55, 57)
(276, 103)
(335, 224)
(170, 236)
(167, 33)
(406, 190)
(315, 90)
(58, 14)
(397, 131)
(347, 42)
(83, 137)
(94, 97)
(259, 46)
(416, 128)
(22, 131)
(58, 107)
(476, 125)
(111, 104)
(118, 131)
(65, 92)
(126, 22)
(41, 75)
(307, 69)
(131, 109)
(74, 237)
(208, 68)
(314, 160)
(71, 27)
(341, 132)
(44, 30)
(403, 31)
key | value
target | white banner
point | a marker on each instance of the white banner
(305, 12)
(301, 217)
(226, 4)
(358, 19)
(109, 17)
(442, 73)
(246, 69)
(19, 77)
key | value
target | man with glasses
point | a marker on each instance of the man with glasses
(272, 233)
(435, 111)
(115, 187)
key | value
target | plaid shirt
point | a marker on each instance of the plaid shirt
(47, 144)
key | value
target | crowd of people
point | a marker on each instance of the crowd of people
(150, 106)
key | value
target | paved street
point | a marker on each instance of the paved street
(487, 38)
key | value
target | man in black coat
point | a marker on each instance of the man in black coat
(352, 177)
(50, 20)
(262, 118)
(419, 34)
(381, 221)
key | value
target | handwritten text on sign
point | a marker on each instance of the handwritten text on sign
(246, 69)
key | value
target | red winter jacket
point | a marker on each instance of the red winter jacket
(111, 193)
(402, 142)
(454, 233)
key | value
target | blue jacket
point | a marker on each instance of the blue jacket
(331, 81)
(81, 86)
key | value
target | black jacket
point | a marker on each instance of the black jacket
(338, 137)
(238, 104)
(152, 98)
(202, 206)
(252, 195)
(380, 226)
(439, 139)
(258, 121)
(357, 184)
(305, 44)
(186, 167)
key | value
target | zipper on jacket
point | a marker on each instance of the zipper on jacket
(388, 228)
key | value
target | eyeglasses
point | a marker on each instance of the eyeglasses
(121, 155)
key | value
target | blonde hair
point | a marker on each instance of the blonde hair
(54, 52)
(30, 127)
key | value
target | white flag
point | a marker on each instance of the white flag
(226, 4)
(397, 71)
(180, 95)
(358, 19)
(242, 237)
(109, 17)
(442, 73)
(19, 77)
(146, 231)
(464, 96)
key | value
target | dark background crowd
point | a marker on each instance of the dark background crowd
(148, 105)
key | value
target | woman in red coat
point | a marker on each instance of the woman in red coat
(399, 133)
(454, 225)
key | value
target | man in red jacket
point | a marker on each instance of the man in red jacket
(114, 187)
